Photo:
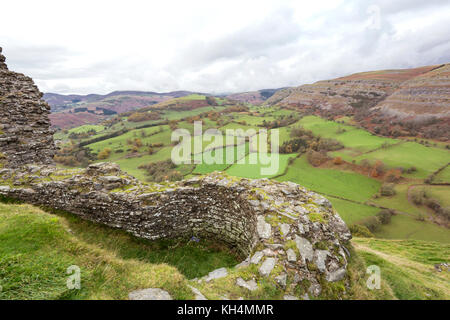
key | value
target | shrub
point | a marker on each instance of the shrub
(372, 223)
(387, 190)
(418, 196)
(162, 171)
(393, 175)
(337, 161)
(316, 158)
(384, 216)
(104, 154)
(433, 204)
(358, 230)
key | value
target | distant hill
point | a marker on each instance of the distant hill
(253, 97)
(75, 110)
(388, 102)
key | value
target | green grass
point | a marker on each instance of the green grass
(120, 142)
(36, 248)
(357, 139)
(130, 165)
(443, 176)
(87, 127)
(426, 159)
(407, 227)
(342, 184)
(407, 267)
(204, 168)
(440, 193)
(253, 171)
(399, 201)
(352, 212)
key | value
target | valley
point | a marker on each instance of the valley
(361, 173)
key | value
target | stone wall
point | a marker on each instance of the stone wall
(278, 226)
(25, 135)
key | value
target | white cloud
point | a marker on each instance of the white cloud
(100, 46)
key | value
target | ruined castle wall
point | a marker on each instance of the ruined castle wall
(25, 135)
(108, 196)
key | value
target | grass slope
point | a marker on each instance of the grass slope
(36, 248)
(347, 185)
(407, 266)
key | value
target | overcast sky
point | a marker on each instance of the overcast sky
(216, 46)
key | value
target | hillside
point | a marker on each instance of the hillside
(253, 97)
(414, 101)
(70, 111)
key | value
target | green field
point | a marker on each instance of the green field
(230, 153)
(352, 212)
(399, 201)
(331, 182)
(253, 171)
(440, 193)
(443, 176)
(407, 227)
(350, 192)
(130, 165)
(426, 159)
(358, 140)
(86, 128)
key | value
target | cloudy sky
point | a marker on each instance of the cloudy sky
(216, 46)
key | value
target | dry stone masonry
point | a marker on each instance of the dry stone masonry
(285, 233)
(25, 135)
(284, 229)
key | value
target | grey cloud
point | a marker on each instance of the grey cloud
(275, 52)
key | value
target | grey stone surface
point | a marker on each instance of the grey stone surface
(264, 229)
(289, 297)
(284, 229)
(291, 256)
(267, 266)
(305, 248)
(336, 275)
(25, 134)
(149, 294)
(250, 284)
(216, 274)
(320, 257)
(256, 258)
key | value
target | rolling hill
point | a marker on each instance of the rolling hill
(413, 102)
(70, 111)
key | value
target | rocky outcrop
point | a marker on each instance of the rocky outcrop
(427, 95)
(25, 135)
(288, 232)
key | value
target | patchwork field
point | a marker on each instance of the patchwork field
(354, 193)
